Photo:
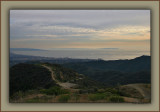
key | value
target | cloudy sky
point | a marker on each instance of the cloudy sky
(49, 29)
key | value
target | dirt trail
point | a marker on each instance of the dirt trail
(52, 73)
(65, 85)
(142, 89)
(131, 100)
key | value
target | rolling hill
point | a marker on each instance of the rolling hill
(111, 73)
(91, 81)
(24, 77)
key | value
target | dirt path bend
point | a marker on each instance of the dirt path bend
(52, 73)
(131, 100)
(146, 93)
(65, 85)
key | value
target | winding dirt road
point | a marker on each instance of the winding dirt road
(65, 85)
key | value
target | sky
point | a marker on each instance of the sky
(49, 29)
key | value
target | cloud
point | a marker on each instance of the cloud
(97, 19)
(65, 27)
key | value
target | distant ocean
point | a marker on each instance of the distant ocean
(105, 54)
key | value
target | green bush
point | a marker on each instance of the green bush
(34, 100)
(75, 96)
(18, 95)
(101, 90)
(54, 91)
(98, 96)
(64, 98)
(37, 99)
(112, 90)
(108, 94)
(116, 99)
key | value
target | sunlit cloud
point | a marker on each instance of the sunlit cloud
(80, 28)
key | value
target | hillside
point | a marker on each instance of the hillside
(132, 65)
(111, 73)
(24, 77)
(46, 83)
(64, 74)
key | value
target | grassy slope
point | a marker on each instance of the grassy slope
(36, 77)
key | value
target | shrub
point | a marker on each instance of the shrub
(108, 94)
(18, 95)
(95, 97)
(76, 97)
(54, 91)
(101, 90)
(34, 100)
(37, 99)
(112, 90)
(64, 98)
(116, 99)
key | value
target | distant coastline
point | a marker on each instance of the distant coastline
(26, 49)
